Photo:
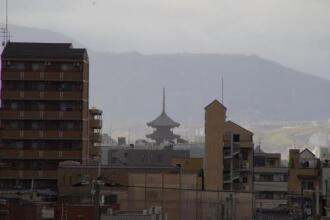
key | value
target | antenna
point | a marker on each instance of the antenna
(5, 31)
(164, 100)
(222, 89)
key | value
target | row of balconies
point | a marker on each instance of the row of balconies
(43, 76)
(37, 154)
(41, 115)
(37, 95)
(44, 174)
(39, 134)
(95, 137)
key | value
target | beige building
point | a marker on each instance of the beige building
(228, 152)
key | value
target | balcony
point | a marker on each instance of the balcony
(94, 151)
(229, 153)
(96, 137)
(38, 134)
(41, 174)
(36, 154)
(37, 95)
(43, 76)
(228, 177)
(41, 115)
(96, 123)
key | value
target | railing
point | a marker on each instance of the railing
(8, 173)
(37, 95)
(96, 123)
(42, 115)
(37, 154)
(227, 177)
(96, 137)
(40, 134)
(42, 76)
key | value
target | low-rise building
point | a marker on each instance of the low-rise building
(145, 156)
(304, 181)
(270, 184)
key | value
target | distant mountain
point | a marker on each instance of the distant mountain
(128, 86)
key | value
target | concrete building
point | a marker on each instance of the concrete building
(304, 181)
(145, 156)
(325, 192)
(270, 184)
(44, 112)
(228, 152)
(44, 116)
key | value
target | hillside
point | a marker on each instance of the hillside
(128, 86)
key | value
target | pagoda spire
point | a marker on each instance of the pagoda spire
(164, 100)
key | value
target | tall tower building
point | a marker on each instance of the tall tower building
(44, 113)
(163, 127)
(228, 152)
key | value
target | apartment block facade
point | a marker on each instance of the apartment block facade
(44, 112)
(270, 182)
(304, 182)
(228, 152)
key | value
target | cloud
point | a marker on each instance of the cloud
(291, 32)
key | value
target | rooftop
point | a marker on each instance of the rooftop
(42, 51)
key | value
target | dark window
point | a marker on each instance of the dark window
(111, 199)
(259, 161)
(236, 138)
(307, 184)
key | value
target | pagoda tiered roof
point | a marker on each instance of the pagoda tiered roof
(163, 121)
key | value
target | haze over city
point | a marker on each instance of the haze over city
(164, 109)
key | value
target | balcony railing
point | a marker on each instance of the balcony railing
(228, 177)
(96, 137)
(96, 123)
(43, 174)
(43, 76)
(37, 95)
(229, 153)
(39, 134)
(41, 115)
(36, 154)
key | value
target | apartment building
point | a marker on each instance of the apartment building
(270, 183)
(228, 152)
(304, 181)
(44, 113)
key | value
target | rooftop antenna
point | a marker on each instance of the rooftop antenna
(222, 89)
(164, 100)
(5, 31)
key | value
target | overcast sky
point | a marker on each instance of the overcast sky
(293, 32)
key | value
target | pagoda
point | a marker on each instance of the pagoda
(163, 127)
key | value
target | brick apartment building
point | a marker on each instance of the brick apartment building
(44, 116)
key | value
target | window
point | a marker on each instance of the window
(307, 185)
(38, 66)
(111, 199)
(236, 138)
(266, 177)
(259, 161)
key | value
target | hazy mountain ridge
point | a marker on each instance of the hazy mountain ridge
(128, 86)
